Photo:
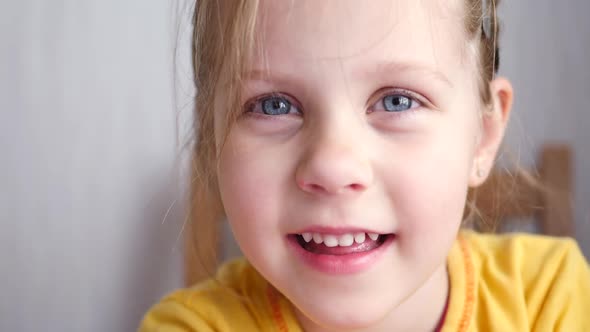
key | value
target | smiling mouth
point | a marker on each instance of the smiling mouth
(338, 245)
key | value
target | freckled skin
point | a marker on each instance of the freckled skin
(340, 160)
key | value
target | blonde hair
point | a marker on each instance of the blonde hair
(223, 42)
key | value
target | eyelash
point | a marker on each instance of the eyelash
(249, 106)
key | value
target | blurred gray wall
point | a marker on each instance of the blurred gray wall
(89, 145)
(545, 49)
(88, 164)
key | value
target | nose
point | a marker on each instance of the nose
(334, 164)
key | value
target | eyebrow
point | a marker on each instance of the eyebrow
(258, 75)
(387, 67)
(280, 78)
(379, 69)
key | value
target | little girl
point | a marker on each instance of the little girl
(339, 139)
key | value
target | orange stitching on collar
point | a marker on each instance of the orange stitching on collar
(277, 315)
(470, 286)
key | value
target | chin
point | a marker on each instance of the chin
(344, 312)
(351, 320)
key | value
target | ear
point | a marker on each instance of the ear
(493, 125)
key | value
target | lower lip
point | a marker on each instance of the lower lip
(340, 264)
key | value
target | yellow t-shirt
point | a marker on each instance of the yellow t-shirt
(498, 283)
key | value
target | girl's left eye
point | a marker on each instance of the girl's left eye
(395, 103)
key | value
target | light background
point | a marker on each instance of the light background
(91, 121)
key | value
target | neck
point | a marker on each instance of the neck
(421, 311)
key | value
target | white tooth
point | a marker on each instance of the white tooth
(317, 238)
(373, 236)
(345, 240)
(307, 236)
(330, 241)
(359, 237)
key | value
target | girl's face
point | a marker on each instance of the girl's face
(359, 117)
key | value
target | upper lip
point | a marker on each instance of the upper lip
(337, 230)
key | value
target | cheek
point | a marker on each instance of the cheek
(429, 190)
(243, 185)
(251, 183)
(438, 198)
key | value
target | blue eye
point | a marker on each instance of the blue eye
(275, 105)
(397, 103)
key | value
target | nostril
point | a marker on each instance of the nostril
(313, 188)
(356, 186)
(338, 176)
(316, 187)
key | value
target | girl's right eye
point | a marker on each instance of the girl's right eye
(273, 105)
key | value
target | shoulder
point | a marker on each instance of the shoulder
(234, 300)
(526, 254)
(543, 281)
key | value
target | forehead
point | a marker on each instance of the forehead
(430, 32)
